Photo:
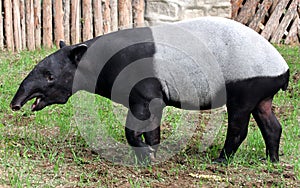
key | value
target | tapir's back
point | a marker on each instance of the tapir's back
(240, 52)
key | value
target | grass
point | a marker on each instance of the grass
(48, 149)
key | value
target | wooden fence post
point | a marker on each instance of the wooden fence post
(8, 21)
(114, 15)
(1, 29)
(298, 24)
(23, 24)
(106, 17)
(67, 21)
(47, 23)
(75, 21)
(235, 6)
(125, 14)
(247, 11)
(274, 5)
(37, 23)
(58, 22)
(138, 12)
(274, 19)
(289, 16)
(17, 25)
(260, 14)
(98, 23)
(30, 24)
(87, 30)
(294, 33)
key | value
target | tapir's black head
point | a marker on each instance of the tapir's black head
(50, 82)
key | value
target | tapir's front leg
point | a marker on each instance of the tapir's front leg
(143, 120)
(152, 138)
(145, 152)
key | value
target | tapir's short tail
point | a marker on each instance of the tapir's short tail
(285, 80)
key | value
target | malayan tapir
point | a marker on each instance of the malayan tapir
(202, 63)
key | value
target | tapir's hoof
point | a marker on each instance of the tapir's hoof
(145, 155)
(272, 160)
(220, 160)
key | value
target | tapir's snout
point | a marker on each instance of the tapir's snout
(22, 97)
(18, 100)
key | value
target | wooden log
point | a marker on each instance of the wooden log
(58, 22)
(1, 29)
(260, 15)
(289, 16)
(274, 19)
(75, 21)
(67, 21)
(47, 24)
(138, 13)
(247, 11)
(292, 37)
(114, 15)
(106, 17)
(98, 24)
(87, 30)
(274, 5)
(298, 24)
(236, 5)
(30, 24)
(125, 14)
(8, 24)
(23, 24)
(37, 23)
(298, 9)
(17, 25)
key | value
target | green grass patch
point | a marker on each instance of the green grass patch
(49, 149)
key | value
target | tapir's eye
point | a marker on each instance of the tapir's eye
(49, 76)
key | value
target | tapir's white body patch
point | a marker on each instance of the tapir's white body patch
(241, 52)
(194, 59)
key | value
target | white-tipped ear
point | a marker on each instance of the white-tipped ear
(77, 53)
(62, 44)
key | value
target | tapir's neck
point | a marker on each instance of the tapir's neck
(83, 77)
(110, 55)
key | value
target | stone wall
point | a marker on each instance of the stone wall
(175, 10)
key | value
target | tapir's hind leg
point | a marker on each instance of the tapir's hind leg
(269, 127)
(238, 120)
(253, 96)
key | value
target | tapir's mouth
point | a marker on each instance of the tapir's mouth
(37, 105)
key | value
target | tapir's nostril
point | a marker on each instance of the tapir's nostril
(15, 107)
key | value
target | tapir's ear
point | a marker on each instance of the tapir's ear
(62, 44)
(77, 53)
